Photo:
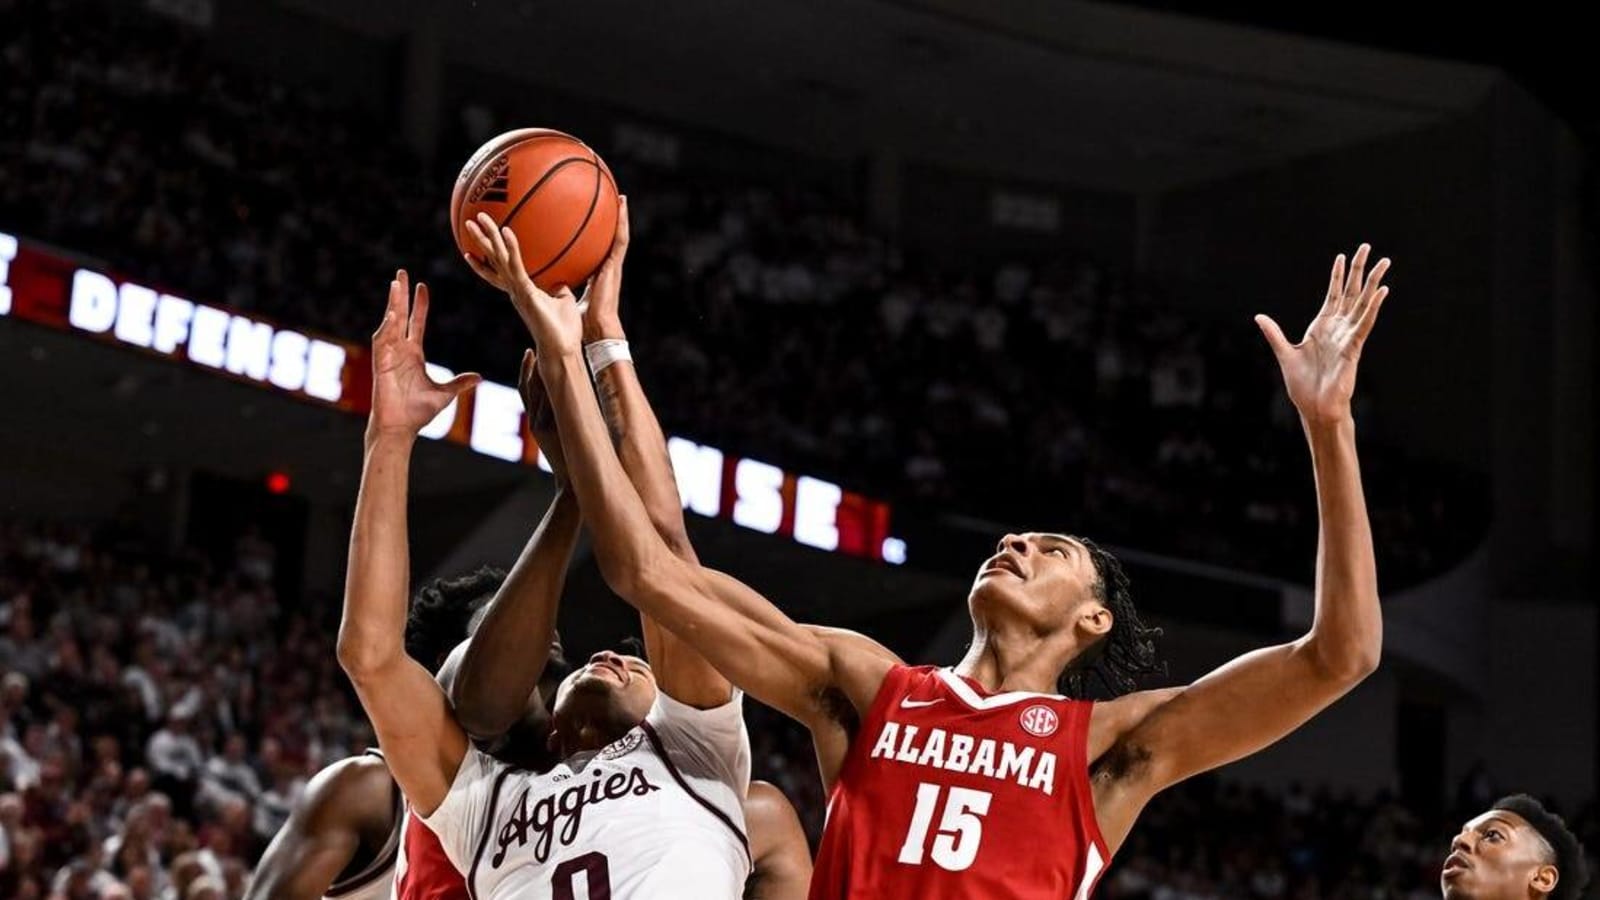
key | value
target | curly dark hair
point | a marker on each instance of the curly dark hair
(444, 611)
(1128, 652)
(1571, 867)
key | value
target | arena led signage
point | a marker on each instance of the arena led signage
(45, 287)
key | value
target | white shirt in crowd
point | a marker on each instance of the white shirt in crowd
(175, 755)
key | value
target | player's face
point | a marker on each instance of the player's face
(1044, 581)
(599, 702)
(1497, 855)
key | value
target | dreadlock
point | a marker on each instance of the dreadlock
(1128, 652)
(1572, 869)
(443, 613)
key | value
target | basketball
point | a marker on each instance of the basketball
(549, 188)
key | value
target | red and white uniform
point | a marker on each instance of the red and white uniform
(423, 871)
(949, 791)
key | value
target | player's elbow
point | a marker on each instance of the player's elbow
(1348, 661)
(361, 656)
(629, 575)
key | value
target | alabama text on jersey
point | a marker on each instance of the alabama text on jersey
(944, 786)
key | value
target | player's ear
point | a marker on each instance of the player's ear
(1544, 879)
(1095, 619)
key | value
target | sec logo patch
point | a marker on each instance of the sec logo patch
(1040, 721)
(623, 745)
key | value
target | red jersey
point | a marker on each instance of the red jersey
(949, 791)
(423, 872)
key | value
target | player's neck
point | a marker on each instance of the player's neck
(583, 735)
(1002, 662)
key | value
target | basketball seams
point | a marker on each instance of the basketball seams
(584, 237)
(594, 199)
(485, 156)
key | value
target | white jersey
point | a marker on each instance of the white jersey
(656, 815)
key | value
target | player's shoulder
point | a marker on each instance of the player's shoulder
(765, 801)
(356, 790)
(855, 650)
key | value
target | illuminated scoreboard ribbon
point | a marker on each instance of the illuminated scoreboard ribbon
(43, 286)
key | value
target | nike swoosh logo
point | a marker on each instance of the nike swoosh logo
(913, 704)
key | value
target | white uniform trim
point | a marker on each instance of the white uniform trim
(972, 698)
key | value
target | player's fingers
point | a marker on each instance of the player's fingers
(481, 269)
(419, 315)
(1369, 316)
(462, 383)
(1330, 300)
(497, 245)
(1269, 329)
(514, 266)
(1370, 290)
(393, 308)
(1358, 271)
(481, 241)
(525, 373)
(384, 325)
(619, 244)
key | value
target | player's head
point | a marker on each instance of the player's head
(601, 701)
(444, 611)
(1516, 850)
(1073, 593)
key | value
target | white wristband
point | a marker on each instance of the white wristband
(605, 353)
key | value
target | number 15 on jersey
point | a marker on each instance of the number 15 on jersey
(955, 844)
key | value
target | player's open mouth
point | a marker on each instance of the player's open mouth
(1456, 863)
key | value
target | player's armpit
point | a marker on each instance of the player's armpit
(416, 729)
(857, 665)
(802, 670)
(778, 844)
(344, 802)
(1112, 719)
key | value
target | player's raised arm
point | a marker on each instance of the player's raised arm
(508, 651)
(418, 733)
(1262, 696)
(747, 638)
(642, 449)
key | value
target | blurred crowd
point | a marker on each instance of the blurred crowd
(767, 319)
(159, 714)
(1209, 840)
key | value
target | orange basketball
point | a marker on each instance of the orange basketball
(549, 188)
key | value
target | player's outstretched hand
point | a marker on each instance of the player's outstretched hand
(552, 319)
(541, 415)
(1320, 370)
(602, 300)
(404, 398)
